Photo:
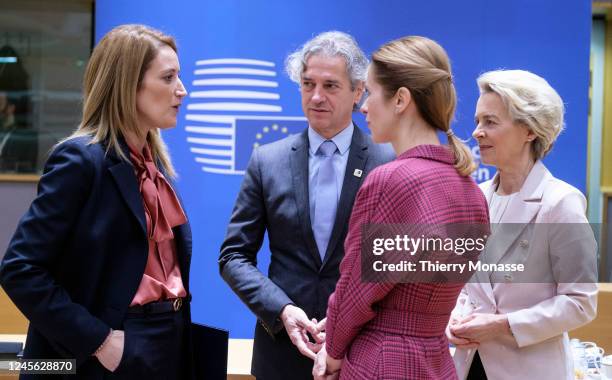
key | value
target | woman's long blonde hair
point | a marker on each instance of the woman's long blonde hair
(112, 79)
(422, 66)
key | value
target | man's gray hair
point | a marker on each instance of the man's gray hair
(329, 44)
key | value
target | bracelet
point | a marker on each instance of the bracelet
(103, 343)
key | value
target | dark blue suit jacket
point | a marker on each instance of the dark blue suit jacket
(79, 253)
(274, 197)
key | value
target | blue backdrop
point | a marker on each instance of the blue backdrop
(232, 55)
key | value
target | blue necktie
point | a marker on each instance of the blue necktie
(326, 197)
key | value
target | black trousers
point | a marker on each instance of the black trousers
(477, 371)
(277, 358)
(154, 348)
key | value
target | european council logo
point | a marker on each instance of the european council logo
(233, 107)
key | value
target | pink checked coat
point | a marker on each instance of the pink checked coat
(396, 331)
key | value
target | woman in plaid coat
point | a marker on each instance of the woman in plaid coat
(386, 329)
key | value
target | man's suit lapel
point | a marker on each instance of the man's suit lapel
(125, 179)
(299, 169)
(358, 156)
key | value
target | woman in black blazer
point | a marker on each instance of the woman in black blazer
(99, 264)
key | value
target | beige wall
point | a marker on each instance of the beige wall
(606, 163)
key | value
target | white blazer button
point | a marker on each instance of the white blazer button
(524, 243)
(508, 277)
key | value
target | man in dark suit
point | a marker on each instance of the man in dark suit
(301, 190)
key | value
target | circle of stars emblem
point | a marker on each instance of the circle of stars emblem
(268, 129)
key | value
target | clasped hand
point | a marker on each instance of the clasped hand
(476, 328)
(298, 327)
(325, 367)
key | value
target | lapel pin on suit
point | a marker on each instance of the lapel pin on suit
(357, 173)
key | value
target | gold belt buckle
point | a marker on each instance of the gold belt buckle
(177, 303)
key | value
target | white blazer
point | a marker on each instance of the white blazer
(539, 314)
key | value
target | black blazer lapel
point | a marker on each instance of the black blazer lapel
(182, 239)
(123, 174)
(182, 236)
(299, 169)
(355, 172)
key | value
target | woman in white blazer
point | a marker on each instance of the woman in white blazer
(513, 324)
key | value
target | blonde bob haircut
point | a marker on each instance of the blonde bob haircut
(531, 102)
(113, 76)
(422, 66)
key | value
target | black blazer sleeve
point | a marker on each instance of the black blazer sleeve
(27, 269)
(238, 259)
